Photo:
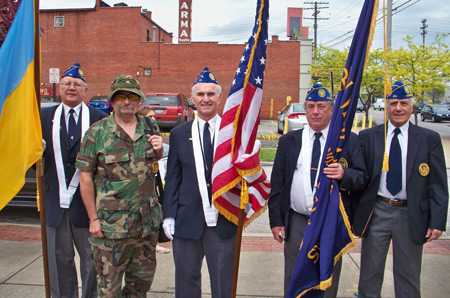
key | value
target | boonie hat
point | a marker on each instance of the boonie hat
(125, 83)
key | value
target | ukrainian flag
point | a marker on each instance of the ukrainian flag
(20, 124)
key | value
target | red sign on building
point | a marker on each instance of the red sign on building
(46, 91)
(184, 26)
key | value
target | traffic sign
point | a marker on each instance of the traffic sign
(54, 75)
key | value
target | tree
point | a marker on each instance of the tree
(373, 79)
(8, 9)
(329, 61)
(423, 67)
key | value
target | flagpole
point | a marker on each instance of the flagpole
(237, 252)
(39, 164)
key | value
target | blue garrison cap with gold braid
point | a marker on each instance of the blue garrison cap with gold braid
(74, 71)
(399, 91)
(318, 93)
(206, 76)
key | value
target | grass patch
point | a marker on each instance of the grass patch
(267, 154)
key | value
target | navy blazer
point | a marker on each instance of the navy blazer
(427, 193)
(182, 199)
(53, 212)
(355, 177)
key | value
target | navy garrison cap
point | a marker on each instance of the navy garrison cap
(206, 76)
(74, 71)
(318, 93)
(399, 91)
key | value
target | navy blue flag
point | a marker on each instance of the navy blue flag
(328, 234)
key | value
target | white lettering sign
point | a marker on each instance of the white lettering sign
(184, 23)
(184, 14)
(183, 34)
(184, 6)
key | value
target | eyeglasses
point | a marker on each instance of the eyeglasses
(122, 97)
(75, 85)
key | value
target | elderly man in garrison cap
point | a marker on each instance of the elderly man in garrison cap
(118, 161)
(190, 219)
(294, 179)
(407, 204)
(67, 222)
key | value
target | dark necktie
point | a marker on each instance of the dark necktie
(72, 127)
(207, 147)
(315, 156)
(394, 175)
(207, 150)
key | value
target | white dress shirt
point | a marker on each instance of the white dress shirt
(301, 194)
(403, 140)
(212, 125)
(76, 114)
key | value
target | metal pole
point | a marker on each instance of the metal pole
(389, 25)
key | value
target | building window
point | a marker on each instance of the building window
(59, 21)
(148, 35)
(147, 72)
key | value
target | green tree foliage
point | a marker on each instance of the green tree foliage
(425, 68)
(327, 61)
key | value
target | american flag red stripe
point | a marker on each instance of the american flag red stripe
(237, 153)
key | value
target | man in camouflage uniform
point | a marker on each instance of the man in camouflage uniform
(118, 161)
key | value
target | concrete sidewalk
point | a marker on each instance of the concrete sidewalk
(260, 272)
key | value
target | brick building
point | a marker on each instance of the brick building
(107, 41)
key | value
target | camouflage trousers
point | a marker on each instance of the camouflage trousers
(134, 257)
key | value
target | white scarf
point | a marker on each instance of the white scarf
(209, 210)
(66, 193)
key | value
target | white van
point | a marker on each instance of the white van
(379, 104)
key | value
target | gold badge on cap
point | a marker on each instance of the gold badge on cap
(343, 162)
(424, 169)
(80, 72)
(322, 93)
(211, 76)
(155, 167)
(407, 90)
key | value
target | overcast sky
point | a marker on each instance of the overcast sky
(231, 21)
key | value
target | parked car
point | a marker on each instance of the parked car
(379, 104)
(294, 114)
(102, 103)
(419, 106)
(171, 109)
(435, 113)
(359, 106)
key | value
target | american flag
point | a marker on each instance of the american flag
(237, 152)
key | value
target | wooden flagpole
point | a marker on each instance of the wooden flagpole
(39, 164)
(237, 253)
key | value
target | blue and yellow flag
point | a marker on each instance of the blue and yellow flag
(20, 124)
(328, 234)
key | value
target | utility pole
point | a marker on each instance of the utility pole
(315, 18)
(389, 25)
(424, 32)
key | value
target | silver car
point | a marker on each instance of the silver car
(295, 116)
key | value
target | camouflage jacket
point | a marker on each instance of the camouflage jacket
(124, 178)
